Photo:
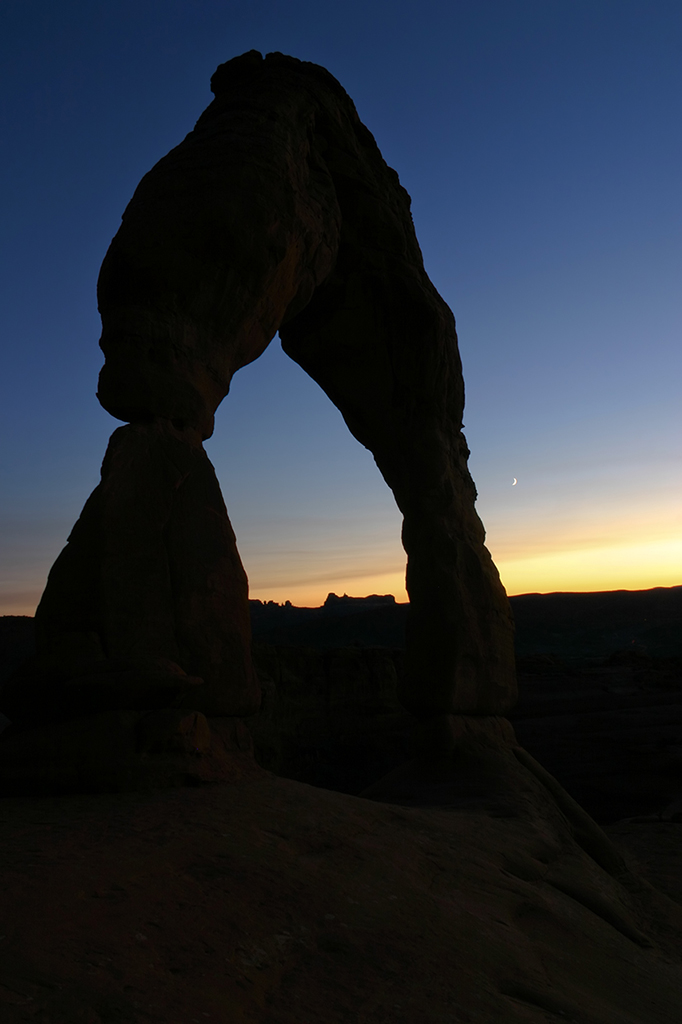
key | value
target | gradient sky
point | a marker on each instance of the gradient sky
(540, 142)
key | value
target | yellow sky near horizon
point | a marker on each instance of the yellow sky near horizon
(541, 544)
(622, 566)
(616, 567)
(536, 549)
(545, 183)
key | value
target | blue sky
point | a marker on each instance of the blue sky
(540, 142)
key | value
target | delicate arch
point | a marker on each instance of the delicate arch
(277, 212)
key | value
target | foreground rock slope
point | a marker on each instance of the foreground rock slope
(465, 885)
(272, 902)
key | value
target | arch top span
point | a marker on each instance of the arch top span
(277, 212)
(225, 239)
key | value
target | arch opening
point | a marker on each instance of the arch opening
(310, 510)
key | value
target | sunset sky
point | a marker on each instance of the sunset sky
(540, 142)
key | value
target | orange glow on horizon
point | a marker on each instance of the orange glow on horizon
(618, 567)
(633, 566)
(313, 594)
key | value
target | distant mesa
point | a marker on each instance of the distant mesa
(374, 621)
(333, 601)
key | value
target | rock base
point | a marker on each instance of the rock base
(119, 751)
(475, 764)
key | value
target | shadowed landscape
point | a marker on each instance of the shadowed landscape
(600, 693)
(247, 812)
(568, 627)
(289, 902)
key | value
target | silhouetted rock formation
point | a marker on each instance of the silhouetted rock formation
(276, 213)
(341, 622)
(147, 603)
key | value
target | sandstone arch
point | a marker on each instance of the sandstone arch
(277, 212)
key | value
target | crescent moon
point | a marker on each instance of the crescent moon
(514, 482)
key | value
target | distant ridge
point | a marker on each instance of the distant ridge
(374, 621)
(564, 625)
(600, 623)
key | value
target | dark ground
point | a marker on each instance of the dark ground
(273, 902)
(600, 685)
